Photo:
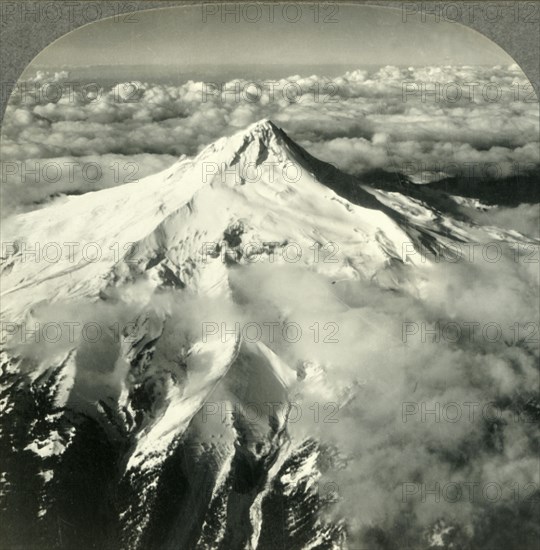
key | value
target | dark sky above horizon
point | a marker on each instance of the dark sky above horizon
(205, 34)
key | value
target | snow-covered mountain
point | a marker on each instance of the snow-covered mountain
(128, 369)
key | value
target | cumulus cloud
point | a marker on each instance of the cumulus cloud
(523, 218)
(445, 120)
(373, 374)
(376, 381)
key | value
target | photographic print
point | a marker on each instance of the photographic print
(270, 281)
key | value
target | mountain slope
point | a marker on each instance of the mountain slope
(141, 403)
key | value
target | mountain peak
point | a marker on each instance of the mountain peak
(264, 129)
(263, 124)
(252, 144)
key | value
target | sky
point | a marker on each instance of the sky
(162, 86)
(205, 34)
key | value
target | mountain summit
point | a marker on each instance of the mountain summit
(257, 179)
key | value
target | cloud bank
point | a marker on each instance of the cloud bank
(399, 472)
(472, 121)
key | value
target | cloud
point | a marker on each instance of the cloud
(372, 372)
(416, 119)
(388, 462)
(523, 218)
